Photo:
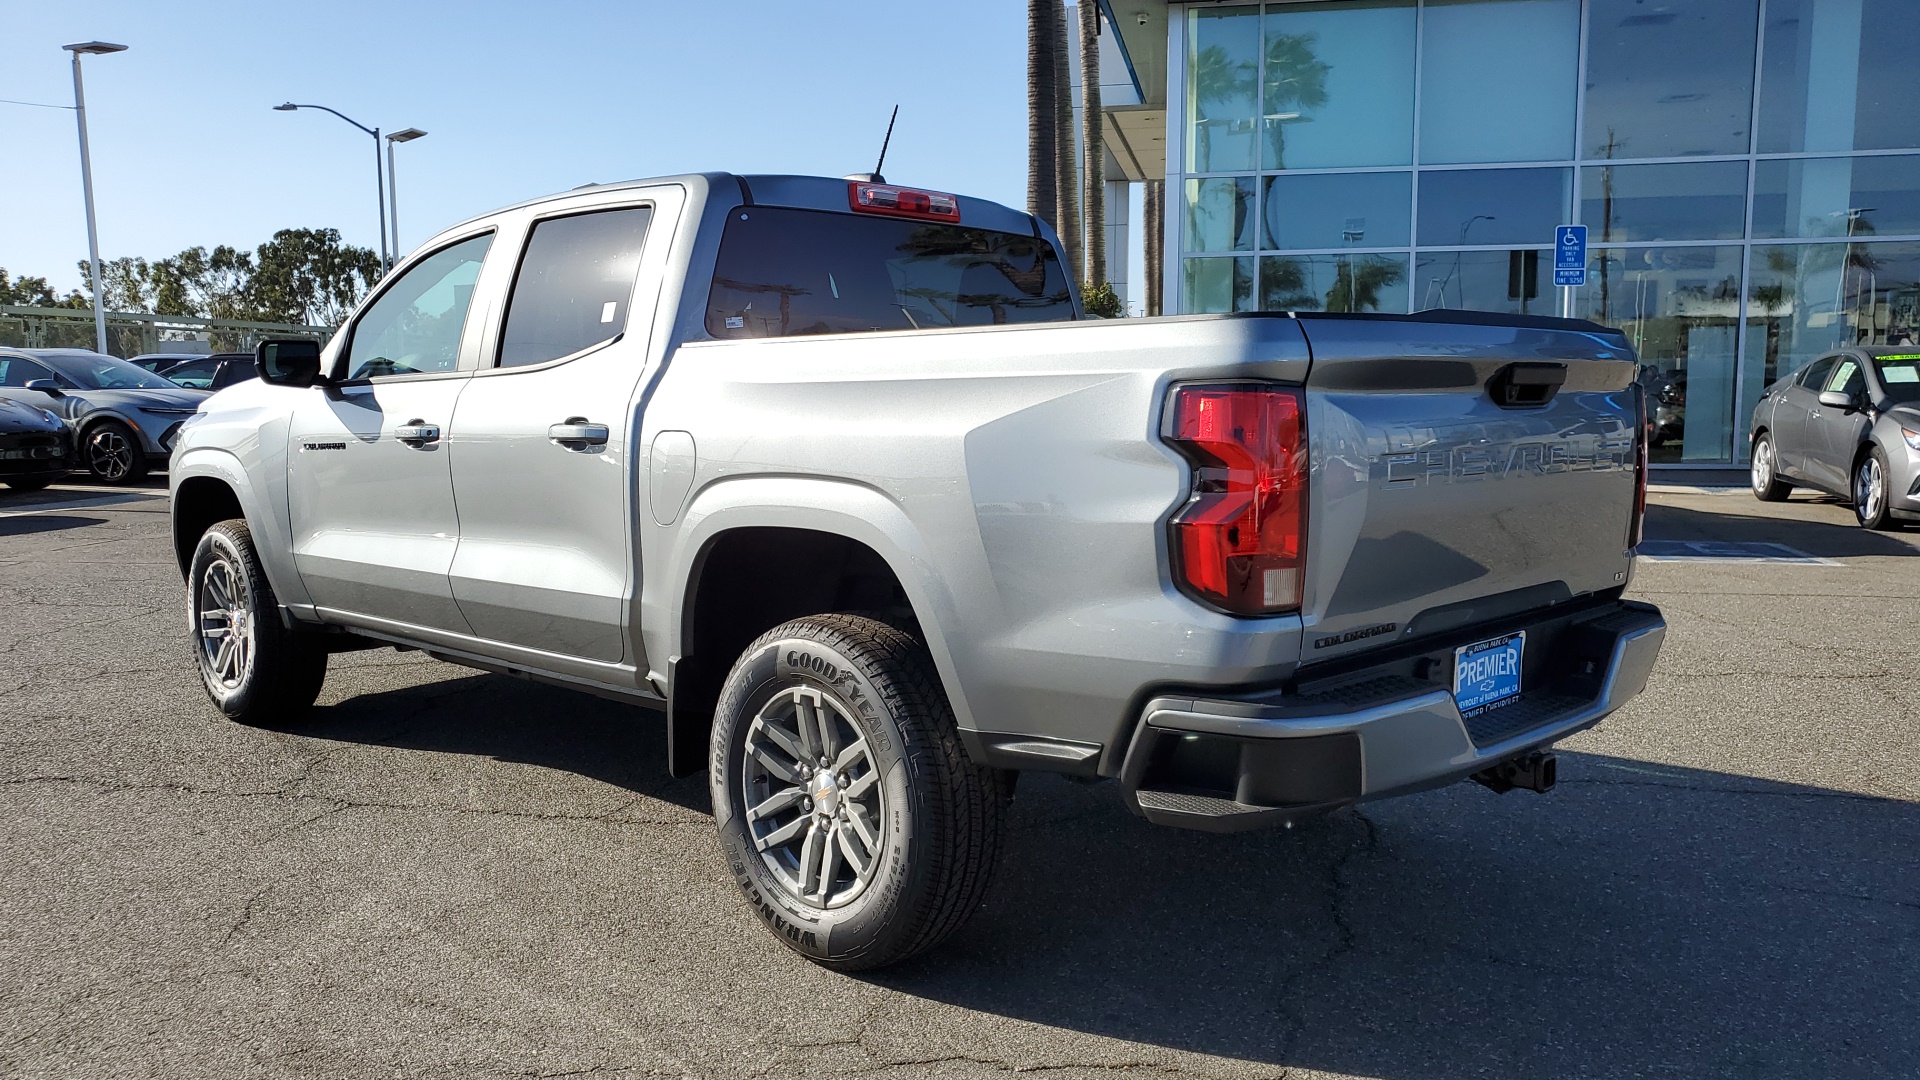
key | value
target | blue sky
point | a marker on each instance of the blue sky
(519, 99)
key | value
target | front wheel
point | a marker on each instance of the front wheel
(1767, 485)
(255, 669)
(852, 820)
(1870, 491)
(113, 453)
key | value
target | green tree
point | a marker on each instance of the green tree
(35, 292)
(309, 276)
(1357, 282)
(208, 284)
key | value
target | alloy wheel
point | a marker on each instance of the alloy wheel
(1869, 488)
(814, 801)
(225, 625)
(1763, 465)
(109, 454)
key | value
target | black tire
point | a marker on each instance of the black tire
(113, 453)
(1768, 487)
(941, 817)
(278, 672)
(1870, 492)
(38, 483)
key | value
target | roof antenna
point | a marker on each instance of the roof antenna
(874, 177)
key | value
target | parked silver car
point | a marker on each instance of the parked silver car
(125, 418)
(1847, 424)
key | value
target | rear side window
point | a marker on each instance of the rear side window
(18, 372)
(574, 285)
(784, 272)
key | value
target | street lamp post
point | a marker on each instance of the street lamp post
(79, 49)
(393, 185)
(379, 179)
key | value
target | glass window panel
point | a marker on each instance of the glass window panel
(1839, 75)
(414, 326)
(1679, 306)
(1365, 282)
(1518, 282)
(1805, 300)
(574, 284)
(1638, 203)
(1669, 79)
(1338, 85)
(1498, 80)
(1330, 210)
(1517, 207)
(1813, 197)
(1220, 214)
(1210, 286)
(1223, 59)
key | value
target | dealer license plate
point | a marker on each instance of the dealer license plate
(1487, 673)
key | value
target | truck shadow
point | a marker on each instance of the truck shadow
(1640, 919)
(1838, 539)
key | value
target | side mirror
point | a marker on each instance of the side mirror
(1838, 399)
(45, 386)
(288, 362)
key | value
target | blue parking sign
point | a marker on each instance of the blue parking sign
(1570, 255)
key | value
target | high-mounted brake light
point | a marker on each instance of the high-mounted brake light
(903, 202)
(1642, 436)
(1240, 542)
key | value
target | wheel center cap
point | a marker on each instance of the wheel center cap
(824, 789)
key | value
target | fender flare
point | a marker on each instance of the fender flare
(265, 517)
(838, 507)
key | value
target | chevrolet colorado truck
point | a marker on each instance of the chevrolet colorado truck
(837, 476)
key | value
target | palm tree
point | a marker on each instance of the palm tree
(1296, 80)
(1357, 282)
(1153, 234)
(1066, 182)
(1042, 199)
(1093, 170)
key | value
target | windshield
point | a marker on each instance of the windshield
(784, 272)
(1901, 376)
(93, 371)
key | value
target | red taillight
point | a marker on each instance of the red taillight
(1240, 543)
(1642, 436)
(903, 202)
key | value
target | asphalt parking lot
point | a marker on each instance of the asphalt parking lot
(447, 874)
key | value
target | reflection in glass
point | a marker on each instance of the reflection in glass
(1518, 282)
(1329, 210)
(1337, 85)
(1220, 214)
(1839, 75)
(1636, 203)
(1807, 299)
(1679, 307)
(1497, 80)
(1514, 207)
(1210, 286)
(1223, 54)
(1830, 196)
(1669, 79)
(1365, 282)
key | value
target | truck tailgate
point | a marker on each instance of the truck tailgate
(1444, 491)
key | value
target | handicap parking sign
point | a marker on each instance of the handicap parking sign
(1570, 255)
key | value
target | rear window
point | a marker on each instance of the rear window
(785, 272)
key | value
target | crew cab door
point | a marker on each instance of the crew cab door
(543, 473)
(369, 487)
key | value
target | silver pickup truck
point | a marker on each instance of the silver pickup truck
(837, 475)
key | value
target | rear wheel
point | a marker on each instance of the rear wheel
(851, 818)
(113, 453)
(1870, 491)
(255, 669)
(1767, 485)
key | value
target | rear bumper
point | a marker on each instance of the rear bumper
(1224, 764)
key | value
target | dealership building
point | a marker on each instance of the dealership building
(1748, 171)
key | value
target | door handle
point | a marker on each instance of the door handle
(417, 432)
(578, 433)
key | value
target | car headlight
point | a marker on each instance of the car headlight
(1912, 437)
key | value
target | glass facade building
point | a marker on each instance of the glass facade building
(1748, 170)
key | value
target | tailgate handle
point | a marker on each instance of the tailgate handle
(1526, 385)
